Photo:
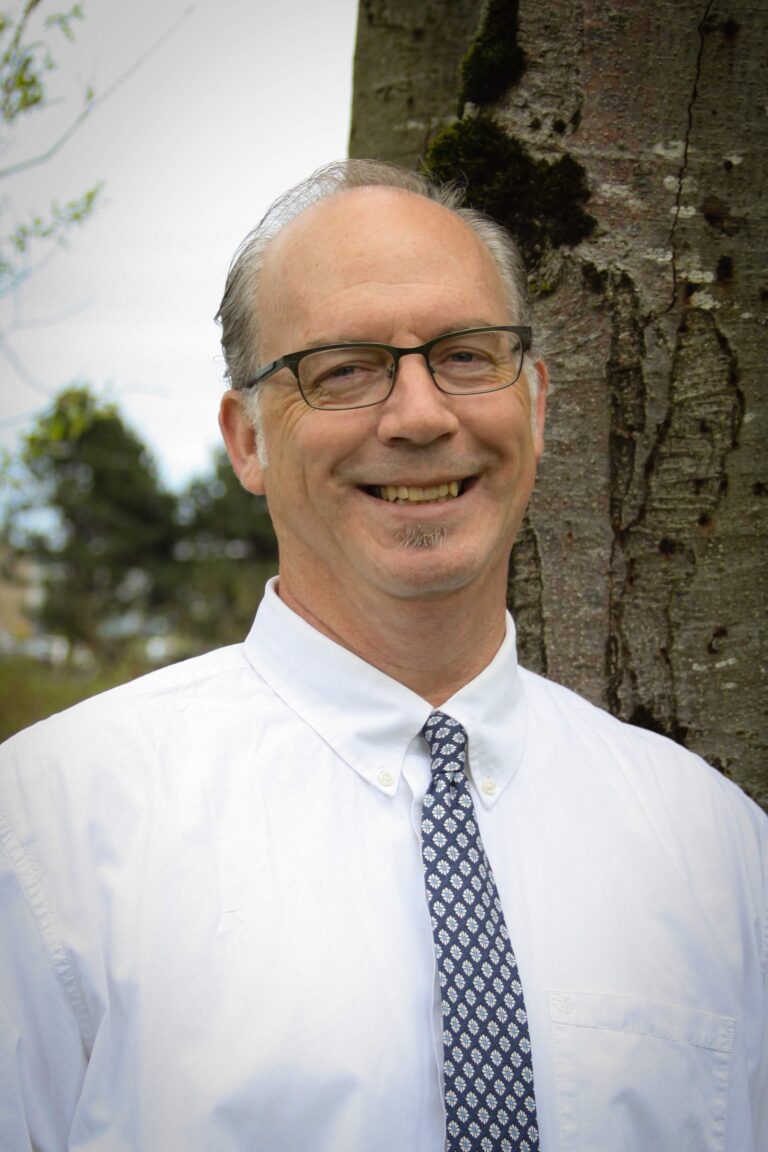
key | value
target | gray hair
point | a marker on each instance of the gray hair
(238, 313)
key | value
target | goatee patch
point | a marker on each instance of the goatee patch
(422, 536)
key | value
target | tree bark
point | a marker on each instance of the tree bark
(640, 577)
(407, 60)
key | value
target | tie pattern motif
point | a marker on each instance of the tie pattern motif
(487, 1069)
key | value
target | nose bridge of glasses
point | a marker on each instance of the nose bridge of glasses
(398, 354)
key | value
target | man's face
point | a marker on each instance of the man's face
(383, 265)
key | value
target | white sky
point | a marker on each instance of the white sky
(244, 98)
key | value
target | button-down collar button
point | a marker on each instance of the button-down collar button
(488, 785)
(385, 779)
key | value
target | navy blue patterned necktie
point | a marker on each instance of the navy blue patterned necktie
(487, 1070)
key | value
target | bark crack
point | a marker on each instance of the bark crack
(683, 172)
(679, 489)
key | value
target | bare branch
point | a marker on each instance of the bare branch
(22, 371)
(16, 278)
(20, 324)
(93, 103)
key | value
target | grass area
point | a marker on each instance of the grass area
(30, 690)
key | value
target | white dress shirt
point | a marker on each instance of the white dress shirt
(215, 935)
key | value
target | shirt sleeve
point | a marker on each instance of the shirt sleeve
(42, 1056)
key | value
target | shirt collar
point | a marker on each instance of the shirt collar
(369, 719)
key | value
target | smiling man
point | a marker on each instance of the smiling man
(362, 884)
(371, 553)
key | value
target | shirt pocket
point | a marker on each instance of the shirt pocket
(634, 1075)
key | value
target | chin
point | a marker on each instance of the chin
(426, 571)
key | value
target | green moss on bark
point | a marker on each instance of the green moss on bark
(495, 61)
(541, 204)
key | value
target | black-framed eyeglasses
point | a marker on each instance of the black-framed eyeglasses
(360, 374)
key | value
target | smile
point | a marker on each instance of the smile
(413, 494)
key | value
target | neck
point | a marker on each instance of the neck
(433, 646)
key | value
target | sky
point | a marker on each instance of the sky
(225, 105)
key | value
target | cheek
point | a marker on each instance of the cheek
(284, 433)
(296, 482)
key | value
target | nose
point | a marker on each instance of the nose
(416, 410)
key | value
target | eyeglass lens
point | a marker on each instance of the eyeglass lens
(359, 375)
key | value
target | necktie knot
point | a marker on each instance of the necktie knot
(447, 744)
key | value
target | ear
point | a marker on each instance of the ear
(240, 438)
(542, 372)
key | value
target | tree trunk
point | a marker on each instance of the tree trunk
(639, 579)
(406, 68)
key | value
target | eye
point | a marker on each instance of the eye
(466, 355)
(344, 376)
(461, 357)
(346, 370)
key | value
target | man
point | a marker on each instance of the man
(362, 884)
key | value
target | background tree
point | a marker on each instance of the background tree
(125, 562)
(626, 146)
(226, 553)
(94, 516)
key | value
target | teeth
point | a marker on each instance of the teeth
(400, 494)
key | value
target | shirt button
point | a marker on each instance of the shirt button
(488, 785)
(386, 779)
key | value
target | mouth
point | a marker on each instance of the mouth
(415, 494)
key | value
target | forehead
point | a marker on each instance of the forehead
(374, 256)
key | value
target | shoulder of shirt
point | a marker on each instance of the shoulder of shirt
(649, 758)
(212, 676)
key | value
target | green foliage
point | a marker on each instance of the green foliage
(495, 60)
(62, 217)
(123, 560)
(540, 203)
(107, 545)
(26, 63)
(227, 552)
